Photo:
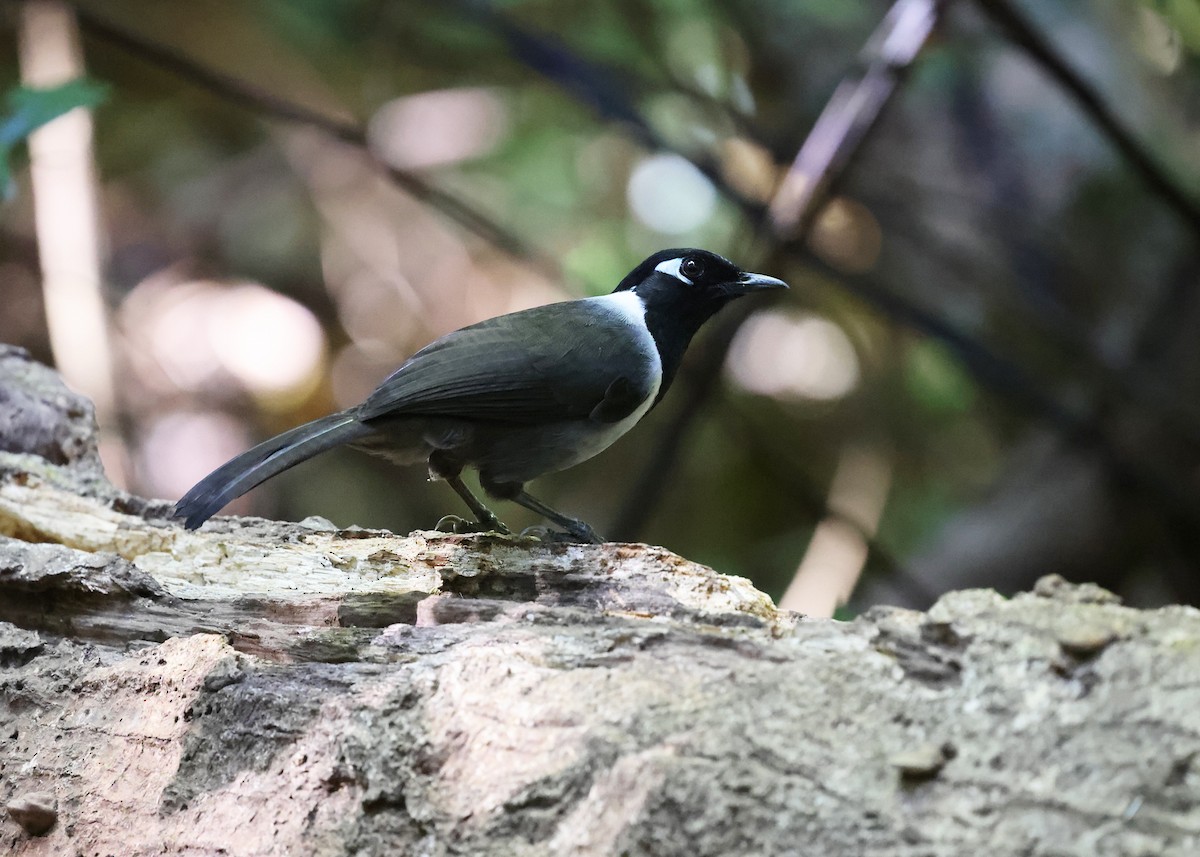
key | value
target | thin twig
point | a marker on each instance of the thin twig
(251, 97)
(1026, 36)
(1022, 32)
(852, 112)
(608, 93)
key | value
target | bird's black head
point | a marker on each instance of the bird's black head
(680, 290)
(689, 282)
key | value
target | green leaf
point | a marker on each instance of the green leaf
(26, 110)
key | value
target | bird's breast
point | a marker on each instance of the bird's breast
(521, 453)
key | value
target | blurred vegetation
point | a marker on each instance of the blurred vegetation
(1019, 301)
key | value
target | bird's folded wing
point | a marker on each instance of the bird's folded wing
(550, 363)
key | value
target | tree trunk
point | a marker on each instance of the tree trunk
(269, 688)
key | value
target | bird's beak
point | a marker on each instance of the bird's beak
(749, 282)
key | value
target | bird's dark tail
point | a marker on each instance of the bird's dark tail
(236, 477)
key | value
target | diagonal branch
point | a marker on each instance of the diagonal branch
(254, 98)
(609, 94)
(853, 111)
(1026, 36)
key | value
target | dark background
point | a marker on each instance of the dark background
(990, 347)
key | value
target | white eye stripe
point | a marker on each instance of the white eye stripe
(671, 266)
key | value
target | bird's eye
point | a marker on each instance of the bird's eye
(691, 268)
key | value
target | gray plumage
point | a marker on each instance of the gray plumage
(515, 396)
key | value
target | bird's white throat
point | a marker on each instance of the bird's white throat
(627, 304)
(630, 307)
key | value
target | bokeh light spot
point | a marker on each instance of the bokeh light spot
(1158, 41)
(847, 236)
(790, 355)
(181, 447)
(749, 168)
(268, 341)
(202, 333)
(668, 194)
(435, 128)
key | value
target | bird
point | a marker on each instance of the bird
(516, 396)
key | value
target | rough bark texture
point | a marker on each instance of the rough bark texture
(264, 688)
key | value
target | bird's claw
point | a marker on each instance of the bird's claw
(581, 534)
(461, 526)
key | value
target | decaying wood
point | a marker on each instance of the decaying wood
(267, 688)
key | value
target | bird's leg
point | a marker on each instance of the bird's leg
(453, 476)
(516, 492)
(483, 514)
(574, 527)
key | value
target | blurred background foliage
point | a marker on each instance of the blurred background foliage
(988, 367)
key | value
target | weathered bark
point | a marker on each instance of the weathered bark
(266, 688)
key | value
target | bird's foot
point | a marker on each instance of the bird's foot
(461, 526)
(583, 533)
(546, 534)
(580, 534)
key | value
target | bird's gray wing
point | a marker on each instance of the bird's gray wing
(547, 364)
